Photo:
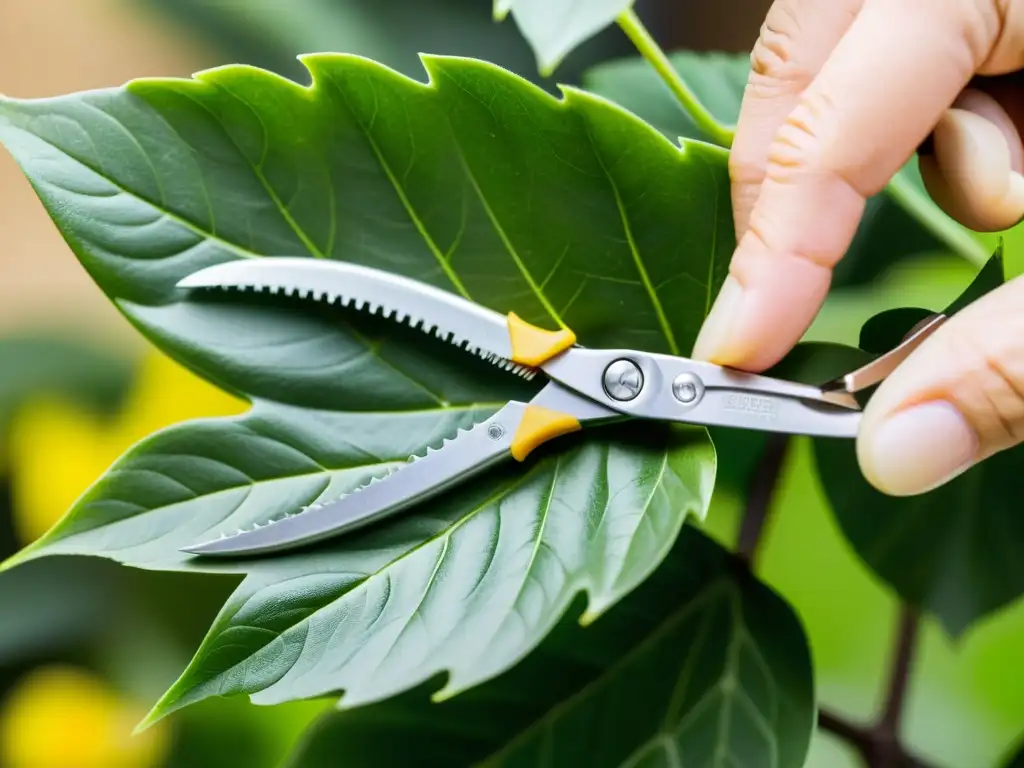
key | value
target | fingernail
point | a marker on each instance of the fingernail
(918, 449)
(714, 335)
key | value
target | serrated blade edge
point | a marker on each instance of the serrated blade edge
(459, 457)
(459, 321)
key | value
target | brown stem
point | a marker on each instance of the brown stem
(880, 745)
(899, 676)
(865, 740)
(759, 497)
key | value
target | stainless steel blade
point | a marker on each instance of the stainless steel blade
(678, 389)
(459, 458)
(451, 317)
(881, 367)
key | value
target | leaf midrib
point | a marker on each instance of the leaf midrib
(634, 250)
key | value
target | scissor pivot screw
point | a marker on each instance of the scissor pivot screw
(623, 380)
(495, 431)
(688, 388)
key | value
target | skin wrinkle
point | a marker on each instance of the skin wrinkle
(840, 96)
(783, 63)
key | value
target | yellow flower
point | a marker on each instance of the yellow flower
(57, 450)
(62, 717)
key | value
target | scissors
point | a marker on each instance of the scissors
(585, 387)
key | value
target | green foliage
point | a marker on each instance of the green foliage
(951, 551)
(160, 178)
(702, 665)
(716, 79)
(562, 607)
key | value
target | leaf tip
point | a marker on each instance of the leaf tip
(165, 706)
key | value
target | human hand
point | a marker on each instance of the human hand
(841, 94)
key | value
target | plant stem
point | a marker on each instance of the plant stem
(879, 745)
(888, 728)
(865, 741)
(650, 50)
(759, 497)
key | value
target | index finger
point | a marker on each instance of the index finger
(877, 97)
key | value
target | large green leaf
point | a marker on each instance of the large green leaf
(566, 211)
(703, 665)
(954, 551)
(1017, 758)
(554, 27)
(468, 588)
(899, 223)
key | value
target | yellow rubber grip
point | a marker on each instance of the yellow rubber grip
(538, 426)
(534, 346)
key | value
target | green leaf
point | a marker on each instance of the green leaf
(991, 276)
(886, 330)
(952, 551)
(553, 28)
(716, 79)
(566, 211)
(703, 665)
(900, 222)
(468, 586)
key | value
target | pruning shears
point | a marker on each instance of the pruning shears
(585, 387)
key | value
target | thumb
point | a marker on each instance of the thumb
(956, 400)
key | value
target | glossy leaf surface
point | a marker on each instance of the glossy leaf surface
(477, 182)
(953, 551)
(702, 665)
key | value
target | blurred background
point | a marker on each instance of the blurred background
(90, 646)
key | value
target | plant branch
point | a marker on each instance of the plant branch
(865, 741)
(880, 745)
(899, 676)
(650, 50)
(759, 497)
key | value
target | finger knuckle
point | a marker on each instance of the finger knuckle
(768, 238)
(774, 61)
(805, 145)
